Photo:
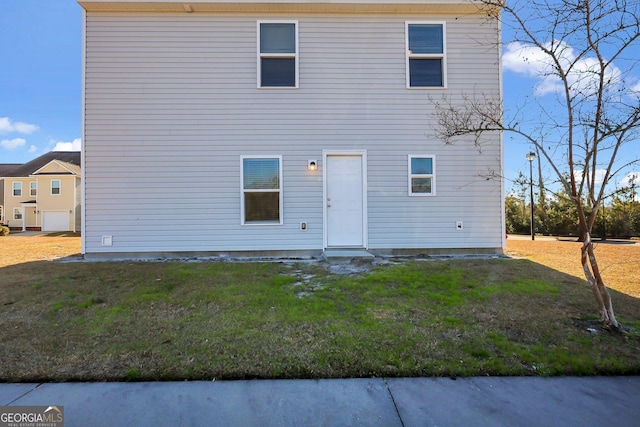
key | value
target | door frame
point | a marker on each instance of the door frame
(365, 226)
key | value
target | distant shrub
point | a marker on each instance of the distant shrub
(4, 231)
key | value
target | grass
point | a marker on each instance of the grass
(168, 321)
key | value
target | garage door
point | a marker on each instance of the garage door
(55, 221)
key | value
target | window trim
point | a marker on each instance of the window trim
(13, 188)
(19, 212)
(33, 188)
(59, 187)
(280, 191)
(260, 55)
(432, 175)
(409, 55)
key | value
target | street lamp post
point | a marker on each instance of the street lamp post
(530, 157)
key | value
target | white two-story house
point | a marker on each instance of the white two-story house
(285, 127)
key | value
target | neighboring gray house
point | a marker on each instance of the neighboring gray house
(285, 127)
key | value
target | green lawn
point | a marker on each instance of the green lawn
(172, 320)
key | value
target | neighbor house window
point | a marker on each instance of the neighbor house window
(261, 189)
(278, 54)
(426, 58)
(17, 189)
(422, 172)
(17, 213)
(55, 186)
(33, 188)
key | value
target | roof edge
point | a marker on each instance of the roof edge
(282, 6)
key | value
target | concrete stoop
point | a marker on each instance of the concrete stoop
(347, 255)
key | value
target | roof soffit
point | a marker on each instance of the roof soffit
(283, 6)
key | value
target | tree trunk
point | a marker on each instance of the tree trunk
(600, 291)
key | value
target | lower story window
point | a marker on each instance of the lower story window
(422, 172)
(261, 189)
(17, 213)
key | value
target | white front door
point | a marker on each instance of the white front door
(345, 201)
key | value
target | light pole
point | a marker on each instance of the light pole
(531, 156)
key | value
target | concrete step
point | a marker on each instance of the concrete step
(346, 255)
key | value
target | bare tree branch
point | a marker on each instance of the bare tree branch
(583, 43)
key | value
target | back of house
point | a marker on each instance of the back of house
(286, 128)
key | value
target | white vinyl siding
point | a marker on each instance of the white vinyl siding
(171, 105)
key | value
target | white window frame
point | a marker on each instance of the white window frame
(33, 188)
(1, 214)
(243, 191)
(410, 55)
(432, 175)
(17, 212)
(295, 55)
(59, 187)
(13, 188)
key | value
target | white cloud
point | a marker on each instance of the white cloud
(74, 145)
(32, 149)
(600, 173)
(9, 126)
(599, 178)
(12, 144)
(533, 62)
(524, 59)
(630, 178)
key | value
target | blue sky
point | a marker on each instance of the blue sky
(40, 77)
(40, 84)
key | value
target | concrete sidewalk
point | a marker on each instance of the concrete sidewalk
(480, 401)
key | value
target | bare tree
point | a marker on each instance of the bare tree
(585, 49)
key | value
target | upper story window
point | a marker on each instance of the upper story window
(422, 174)
(17, 189)
(426, 55)
(261, 189)
(33, 189)
(55, 187)
(278, 54)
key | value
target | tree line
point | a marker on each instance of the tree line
(555, 214)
